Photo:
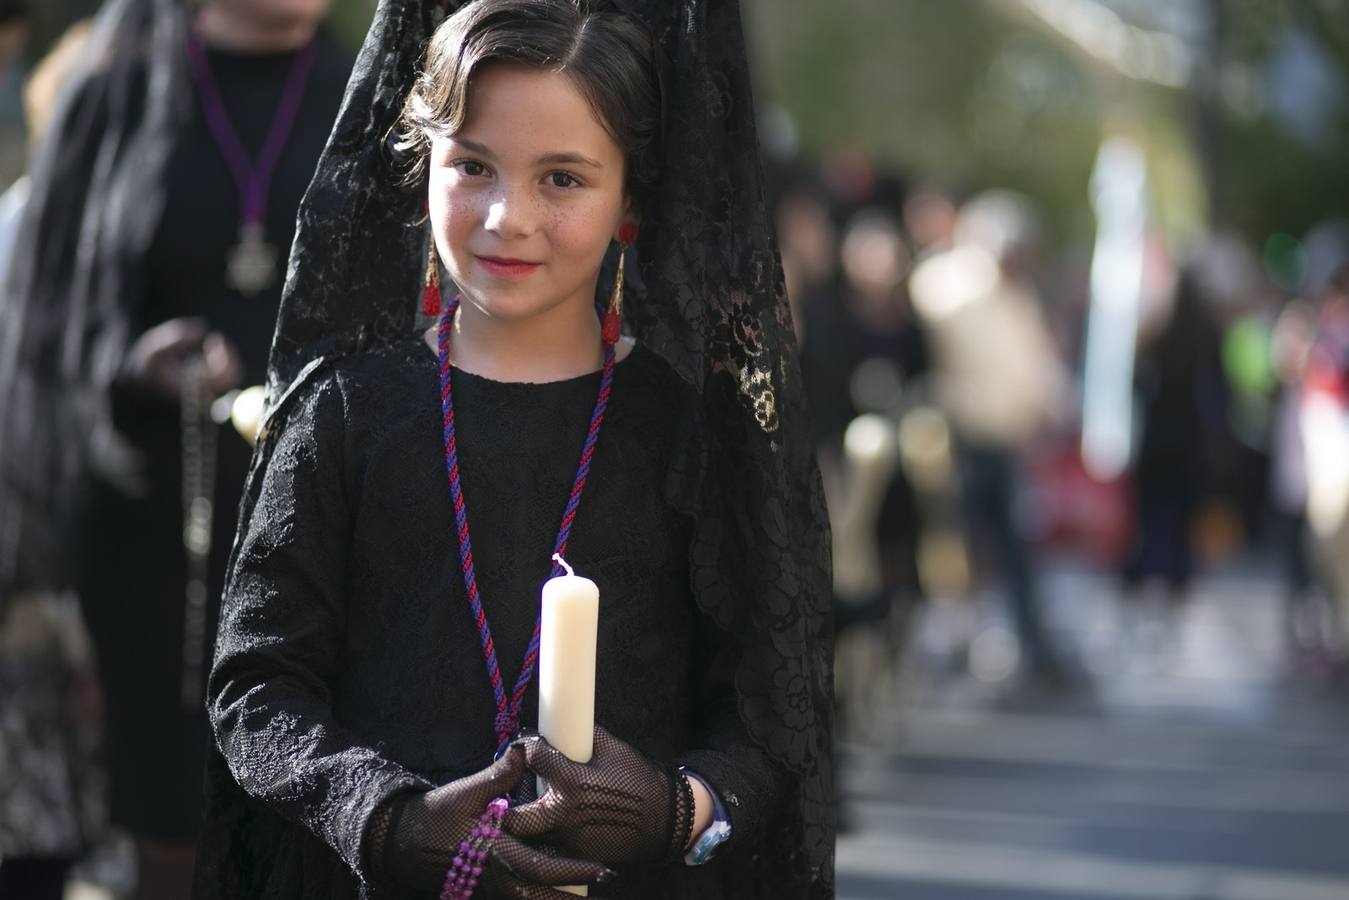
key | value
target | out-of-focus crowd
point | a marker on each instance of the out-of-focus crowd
(960, 370)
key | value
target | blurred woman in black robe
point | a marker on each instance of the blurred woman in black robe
(51, 786)
(141, 294)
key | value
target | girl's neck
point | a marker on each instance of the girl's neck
(556, 345)
(228, 29)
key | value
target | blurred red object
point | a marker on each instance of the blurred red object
(1068, 509)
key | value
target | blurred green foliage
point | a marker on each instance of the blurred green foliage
(977, 93)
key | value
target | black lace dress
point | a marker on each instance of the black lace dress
(348, 668)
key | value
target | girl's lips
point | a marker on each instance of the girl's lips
(506, 268)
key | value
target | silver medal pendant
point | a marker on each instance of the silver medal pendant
(252, 262)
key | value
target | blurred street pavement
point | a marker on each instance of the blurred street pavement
(1193, 768)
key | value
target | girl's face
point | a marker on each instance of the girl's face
(527, 195)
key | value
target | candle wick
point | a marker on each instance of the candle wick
(557, 558)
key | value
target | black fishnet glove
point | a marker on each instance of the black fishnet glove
(618, 808)
(413, 839)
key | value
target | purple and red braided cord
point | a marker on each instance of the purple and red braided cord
(508, 711)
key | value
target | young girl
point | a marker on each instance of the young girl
(372, 694)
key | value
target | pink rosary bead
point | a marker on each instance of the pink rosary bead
(462, 878)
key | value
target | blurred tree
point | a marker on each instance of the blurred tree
(956, 92)
(983, 92)
(1285, 105)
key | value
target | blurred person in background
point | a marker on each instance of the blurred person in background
(863, 353)
(808, 243)
(881, 359)
(859, 315)
(1311, 628)
(1181, 397)
(930, 216)
(998, 377)
(1238, 511)
(146, 283)
(1324, 419)
(50, 792)
(867, 358)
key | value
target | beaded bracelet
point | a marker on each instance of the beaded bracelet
(681, 802)
(467, 867)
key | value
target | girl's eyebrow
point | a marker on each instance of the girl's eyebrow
(548, 159)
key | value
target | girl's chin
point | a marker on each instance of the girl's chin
(509, 303)
(515, 306)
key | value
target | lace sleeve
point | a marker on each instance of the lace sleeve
(281, 638)
(749, 783)
(756, 584)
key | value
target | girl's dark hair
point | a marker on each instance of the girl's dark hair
(609, 56)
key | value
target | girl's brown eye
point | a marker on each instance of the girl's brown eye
(563, 180)
(471, 168)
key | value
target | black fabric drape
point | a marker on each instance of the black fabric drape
(64, 312)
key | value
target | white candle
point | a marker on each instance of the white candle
(567, 639)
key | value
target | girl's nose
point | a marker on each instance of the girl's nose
(509, 215)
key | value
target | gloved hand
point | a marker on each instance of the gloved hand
(618, 808)
(413, 839)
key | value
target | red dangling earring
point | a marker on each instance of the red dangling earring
(612, 329)
(431, 291)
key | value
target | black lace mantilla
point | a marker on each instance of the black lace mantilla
(707, 297)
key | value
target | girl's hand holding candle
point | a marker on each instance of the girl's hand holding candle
(413, 838)
(617, 809)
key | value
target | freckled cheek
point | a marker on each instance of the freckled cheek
(454, 219)
(581, 234)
